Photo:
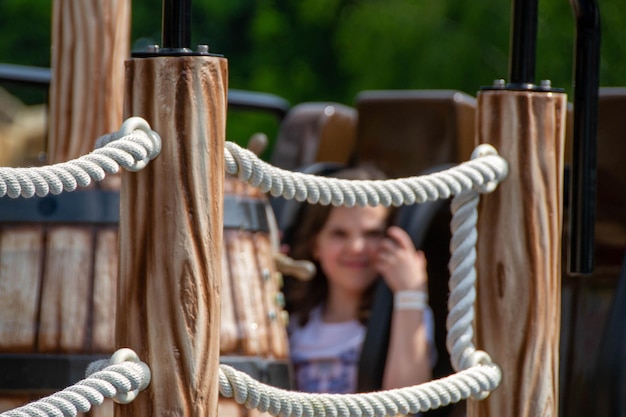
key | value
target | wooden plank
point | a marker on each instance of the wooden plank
(519, 252)
(66, 291)
(16, 400)
(91, 40)
(228, 407)
(21, 252)
(171, 216)
(248, 298)
(230, 333)
(405, 132)
(277, 334)
(104, 295)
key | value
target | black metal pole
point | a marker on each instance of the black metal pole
(523, 42)
(583, 180)
(176, 29)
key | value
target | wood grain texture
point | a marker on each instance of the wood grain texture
(277, 331)
(66, 291)
(519, 252)
(252, 322)
(247, 297)
(171, 216)
(20, 283)
(91, 40)
(104, 294)
(230, 334)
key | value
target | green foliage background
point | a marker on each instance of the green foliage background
(329, 50)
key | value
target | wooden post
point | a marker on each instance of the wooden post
(91, 41)
(519, 252)
(60, 281)
(171, 235)
(90, 44)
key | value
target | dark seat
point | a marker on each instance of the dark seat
(428, 225)
(312, 132)
(609, 385)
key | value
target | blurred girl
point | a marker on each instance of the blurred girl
(352, 248)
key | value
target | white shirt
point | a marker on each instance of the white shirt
(325, 356)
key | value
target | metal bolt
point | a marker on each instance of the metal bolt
(153, 49)
(265, 273)
(280, 299)
(499, 83)
(547, 84)
(203, 49)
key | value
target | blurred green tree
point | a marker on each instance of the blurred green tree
(329, 50)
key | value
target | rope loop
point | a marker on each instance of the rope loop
(482, 173)
(132, 147)
(475, 382)
(130, 129)
(484, 150)
(121, 377)
(128, 355)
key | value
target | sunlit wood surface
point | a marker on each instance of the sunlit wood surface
(171, 235)
(519, 252)
(59, 282)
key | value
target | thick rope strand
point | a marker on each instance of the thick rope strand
(479, 174)
(132, 147)
(245, 390)
(464, 182)
(120, 378)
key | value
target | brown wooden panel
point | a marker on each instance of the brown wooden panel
(405, 132)
(245, 281)
(21, 252)
(611, 200)
(230, 336)
(586, 305)
(279, 347)
(519, 252)
(104, 291)
(16, 400)
(227, 407)
(66, 290)
(313, 132)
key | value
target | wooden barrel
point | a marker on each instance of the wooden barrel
(58, 284)
(253, 335)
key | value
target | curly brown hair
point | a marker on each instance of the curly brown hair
(303, 297)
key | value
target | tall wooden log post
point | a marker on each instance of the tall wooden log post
(171, 235)
(90, 42)
(519, 252)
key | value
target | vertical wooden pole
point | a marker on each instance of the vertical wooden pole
(171, 235)
(90, 40)
(519, 252)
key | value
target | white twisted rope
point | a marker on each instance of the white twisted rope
(120, 378)
(410, 400)
(462, 281)
(132, 147)
(482, 173)
(476, 374)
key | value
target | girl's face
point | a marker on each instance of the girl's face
(346, 247)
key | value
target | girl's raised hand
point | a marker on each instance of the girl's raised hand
(402, 267)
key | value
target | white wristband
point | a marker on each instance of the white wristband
(410, 300)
